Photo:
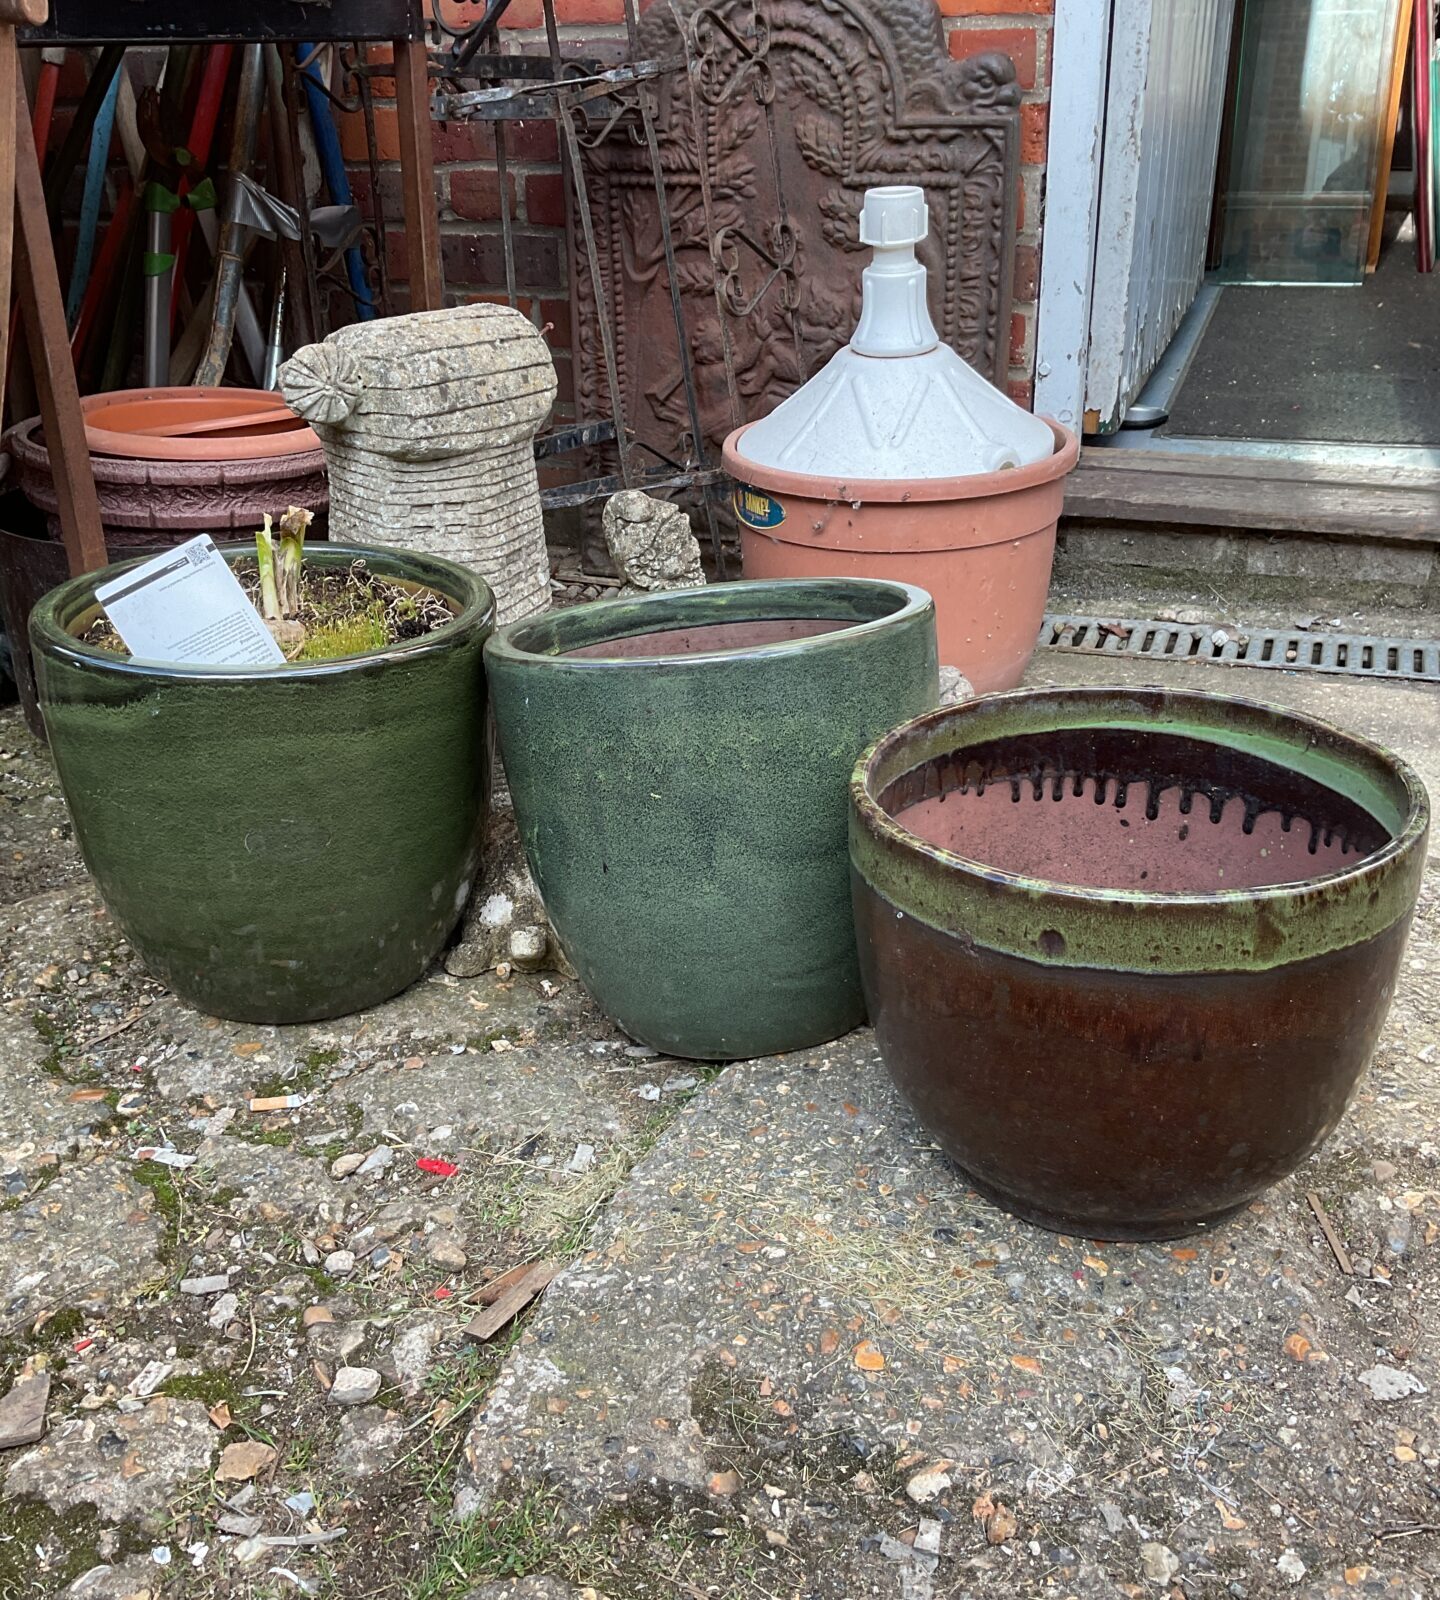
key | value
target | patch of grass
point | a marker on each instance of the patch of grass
(54, 1036)
(527, 1536)
(212, 1387)
(323, 1282)
(69, 1541)
(160, 1181)
(563, 1214)
(314, 1064)
(277, 1138)
(634, 1550)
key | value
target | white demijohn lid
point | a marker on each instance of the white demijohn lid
(895, 402)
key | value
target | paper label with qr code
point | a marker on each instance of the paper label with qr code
(186, 607)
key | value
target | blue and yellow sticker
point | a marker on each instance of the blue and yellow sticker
(755, 508)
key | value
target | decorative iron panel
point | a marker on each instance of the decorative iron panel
(789, 110)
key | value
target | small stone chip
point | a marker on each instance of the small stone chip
(869, 1357)
(377, 1161)
(223, 1311)
(22, 1411)
(1389, 1383)
(354, 1386)
(340, 1263)
(1158, 1562)
(240, 1461)
(217, 1283)
(929, 1485)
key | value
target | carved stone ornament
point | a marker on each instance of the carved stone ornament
(789, 111)
(651, 544)
(428, 423)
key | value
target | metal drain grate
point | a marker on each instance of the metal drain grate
(1287, 649)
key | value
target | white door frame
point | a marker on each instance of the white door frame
(1080, 53)
(1136, 112)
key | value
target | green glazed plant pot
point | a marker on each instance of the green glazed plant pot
(279, 844)
(1127, 952)
(678, 764)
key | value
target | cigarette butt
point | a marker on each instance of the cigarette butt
(276, 1102)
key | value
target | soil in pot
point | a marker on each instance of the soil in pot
(285, 843)
(1127, 953)
(344, 611)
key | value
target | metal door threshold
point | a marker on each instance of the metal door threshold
(1282, 649)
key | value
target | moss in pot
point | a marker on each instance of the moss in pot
(279, 843)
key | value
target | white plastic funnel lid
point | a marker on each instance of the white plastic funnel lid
(895, 403)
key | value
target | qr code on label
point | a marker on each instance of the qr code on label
(200, 555)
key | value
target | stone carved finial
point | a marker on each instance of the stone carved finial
(323, 383)
(651, 544)
(428, 423)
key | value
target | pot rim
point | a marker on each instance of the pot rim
(49, 636)
(22, 441)
(1182, 931)
(975, 486)
(1417, 811)
(743, 601)
(130, 446)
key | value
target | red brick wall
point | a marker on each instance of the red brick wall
(467, 184)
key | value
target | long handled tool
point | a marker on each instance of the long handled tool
(230, 255)
(332, 164)
(100, 137)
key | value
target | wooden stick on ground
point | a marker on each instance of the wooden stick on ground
(1342, 1255)
(511, 1303)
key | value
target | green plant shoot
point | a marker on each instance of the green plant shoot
(292, 554)
(269, 590)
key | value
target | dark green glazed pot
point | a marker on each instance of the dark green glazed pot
(678, 764)
(1127, 952)
(279, 844)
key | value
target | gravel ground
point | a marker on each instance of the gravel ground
(787, 1351)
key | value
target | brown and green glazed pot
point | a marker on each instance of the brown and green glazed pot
(678, 764)
(279, 844)
(1127, 952)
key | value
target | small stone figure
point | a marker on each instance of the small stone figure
(651, 544)
(428, 423)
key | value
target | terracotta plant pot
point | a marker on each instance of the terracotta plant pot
(188, 424)
(158, 503)
(983, 546)
(279, 844)
(1127, 952)
(678, 767)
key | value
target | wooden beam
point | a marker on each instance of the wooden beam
(1386, 141)
(1178, 494)
(417, 175)
(49, 343)
(10, 99)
